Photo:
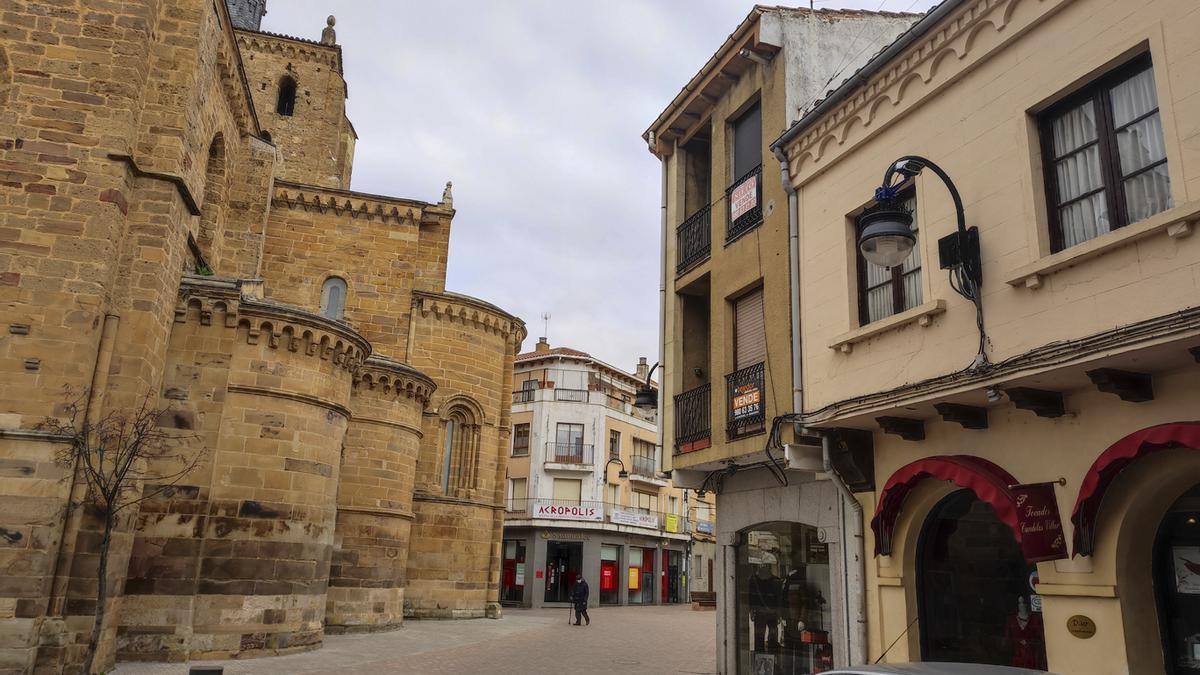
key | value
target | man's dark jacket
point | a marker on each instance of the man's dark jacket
(579, 594)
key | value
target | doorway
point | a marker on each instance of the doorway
(976, 600)
(564, 561)
(1177, 584)
(512, 578)
(610, 588)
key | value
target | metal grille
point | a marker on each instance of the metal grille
(568, 453)
(750, 219)
(746, 402)
(693, 415)
(693, 239)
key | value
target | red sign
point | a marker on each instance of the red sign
(608, 576)
(1042, 536)
(744, 197)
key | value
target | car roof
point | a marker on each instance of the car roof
(933, 669)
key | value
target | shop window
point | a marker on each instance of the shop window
(975, 589)
(783, 617)
(610, 580)
(884, 291)
(641, 576)
(1105, 160)
(286, 103)
(333, 298)
(520, 446)
(1177, 584)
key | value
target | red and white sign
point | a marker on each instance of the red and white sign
(744, 197)
(568, 512)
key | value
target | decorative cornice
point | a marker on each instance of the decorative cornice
(392, 210)
(290, 396)
(421, 496)
(941, 56)
(294, 48)
(378, 511)
(468, 310)
(281, 325)
(392, 378)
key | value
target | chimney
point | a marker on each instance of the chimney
(642, 369)
(542, 345)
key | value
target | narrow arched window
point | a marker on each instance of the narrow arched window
(448, 455)
(286, 104)
(333, 298)
(459, 453)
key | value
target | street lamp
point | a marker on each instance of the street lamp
(886, 237)
(646, 397)
(622, 473)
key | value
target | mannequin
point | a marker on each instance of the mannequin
(1026, 637)
(764, 608)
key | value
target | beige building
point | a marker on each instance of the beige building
(587, 497)
(1069, 129)
(176, 222)
(728, 386)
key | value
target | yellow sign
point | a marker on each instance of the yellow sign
(1081, 626)
(635, 578)
(671, 522)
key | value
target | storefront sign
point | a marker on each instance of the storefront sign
(747, 400)
(1042, 536)
(703, 526)
(634, 519)
(1081, 626)
(635, 578)
(568, 512)
(520, 576)
(744, 197)
(608, 576)
(671, 522)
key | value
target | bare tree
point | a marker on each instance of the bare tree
(124, 457)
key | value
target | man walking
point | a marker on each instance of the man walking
(579, 595)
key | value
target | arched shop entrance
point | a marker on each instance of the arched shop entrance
(976, 600)
(1177, 584)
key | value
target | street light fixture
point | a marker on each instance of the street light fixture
(646, 397)
(886, 237)
(622, 473)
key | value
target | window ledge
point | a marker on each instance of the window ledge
(1177, 222)
(921, 314)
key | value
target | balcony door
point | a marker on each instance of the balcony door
(568, 443)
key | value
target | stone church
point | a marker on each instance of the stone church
(176, 220)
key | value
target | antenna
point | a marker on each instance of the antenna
(546, 325)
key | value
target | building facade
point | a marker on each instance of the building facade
(1037, 506)
(729, 345)
(637, 540)
(176, 223)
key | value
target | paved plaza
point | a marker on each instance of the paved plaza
(670, 639)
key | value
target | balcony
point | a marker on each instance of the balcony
(693, 240)
(744, 198)
(747, 411)
(572, 395)
(569, 456)
(605, 514)
(693, 419)
(644, 469)
(523, 396)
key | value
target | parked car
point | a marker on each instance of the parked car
(933, 669)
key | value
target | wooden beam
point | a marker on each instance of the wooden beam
(907, 428)
(1128, 385)
(966, 416)
(1042, 402)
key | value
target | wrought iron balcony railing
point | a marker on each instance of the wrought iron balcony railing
(575, 395)
(744, 201)
(640, 465)
(568, 453)
(693, 417)
(693, 240)
(523, 396)
(746, 402)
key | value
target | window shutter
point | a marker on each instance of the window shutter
(568, 489)
(749, 330)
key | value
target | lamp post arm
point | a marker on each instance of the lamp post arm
(651, 373)
(911, 165)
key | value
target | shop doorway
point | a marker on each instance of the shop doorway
(976, 591)
(564, 561)
(1177, 584)
(512, 581)
(641, 576)
(672, 564)
(610, 587)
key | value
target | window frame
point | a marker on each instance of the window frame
(1098, 91)
(614, 444)
(517, 448)
(897, 273)
(285, 98)
(327, 309)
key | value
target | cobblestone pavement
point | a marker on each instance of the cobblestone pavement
(670, 639)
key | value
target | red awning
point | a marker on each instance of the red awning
(1111, 462)
(988, 481)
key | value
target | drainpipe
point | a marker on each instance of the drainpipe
(793, 283)
(662, 320)
(856, 652)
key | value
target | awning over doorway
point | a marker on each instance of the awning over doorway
(1112, 462)
(988, 481)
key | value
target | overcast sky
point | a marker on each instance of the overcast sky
(535, 109)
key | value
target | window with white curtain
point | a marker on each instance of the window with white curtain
(1106, 163)
(885, 291)
(333, 298)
